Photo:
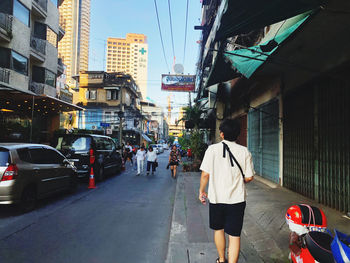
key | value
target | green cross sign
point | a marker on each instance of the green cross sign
(143, 51)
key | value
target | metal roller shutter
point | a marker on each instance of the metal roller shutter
(316, 143)
(298, 140)
(264, 139)
(334, 143)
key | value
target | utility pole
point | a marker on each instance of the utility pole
(121, 114)
(141, 123)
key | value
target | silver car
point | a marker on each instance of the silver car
(33, 171)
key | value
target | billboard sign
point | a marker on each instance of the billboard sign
(185, 83)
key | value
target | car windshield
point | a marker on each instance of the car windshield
(73, 143)
(4, 157)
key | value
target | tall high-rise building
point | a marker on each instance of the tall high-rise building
(129, 55)
(74, 46)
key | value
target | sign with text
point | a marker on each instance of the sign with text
(184, 83)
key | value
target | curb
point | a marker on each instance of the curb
(265, 181)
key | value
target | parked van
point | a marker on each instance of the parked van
(78, 148)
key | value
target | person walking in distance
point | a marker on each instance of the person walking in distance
(151, 160)
(128, 154)
(174, 159)
(140, 158)
(227, 166)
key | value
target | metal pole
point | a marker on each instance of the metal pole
(121, 117)
(141, 125)
(31, 126)
(189, 99)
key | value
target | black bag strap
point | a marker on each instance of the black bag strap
(232, 158)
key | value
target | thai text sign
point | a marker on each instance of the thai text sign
(178, 82)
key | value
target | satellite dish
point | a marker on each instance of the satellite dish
(179, 69)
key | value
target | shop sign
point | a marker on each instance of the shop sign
(182, 83)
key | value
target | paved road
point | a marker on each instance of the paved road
(126, 219)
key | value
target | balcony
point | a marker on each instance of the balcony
(38, 48)
(4, 76)
(60, 67)
(5, 27)
(39, 8)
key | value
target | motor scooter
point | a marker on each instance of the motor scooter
(310, 241)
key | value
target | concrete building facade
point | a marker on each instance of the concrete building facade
(29, 65)
(129, 55)
(74, 46)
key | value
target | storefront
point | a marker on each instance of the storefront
(28, 117)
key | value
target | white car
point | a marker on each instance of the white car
(160, 148)
(155, 148)
(165, 146)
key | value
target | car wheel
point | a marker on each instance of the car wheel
(28, 199)
(100, 175)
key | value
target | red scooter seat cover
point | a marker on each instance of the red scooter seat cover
(306, 215)
(319, 245)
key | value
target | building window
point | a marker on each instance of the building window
(19, 63)
(91, 94)
(54, 2)
(112, 94)
(42, 75)
(21, 12)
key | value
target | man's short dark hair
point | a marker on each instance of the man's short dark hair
(230, 128)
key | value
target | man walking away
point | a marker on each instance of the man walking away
(227, 166)
(151, 160)
(140, 157)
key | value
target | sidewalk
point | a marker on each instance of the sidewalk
(265, 233)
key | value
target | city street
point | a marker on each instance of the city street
(125, 219)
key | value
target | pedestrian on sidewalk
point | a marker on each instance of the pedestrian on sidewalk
(227, 166)
(174, 159)
(151, 160)
(140, 157)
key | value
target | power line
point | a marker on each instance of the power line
(171, 29)
(185, 33)
(161, 36)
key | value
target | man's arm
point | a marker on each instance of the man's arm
(203, 185)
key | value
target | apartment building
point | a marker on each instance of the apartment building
(107, 99)
(29, 66)
(74, 46)
(129, 55)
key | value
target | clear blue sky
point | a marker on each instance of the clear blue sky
(115, 18)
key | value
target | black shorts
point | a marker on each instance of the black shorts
(228, 217)
(174, 163)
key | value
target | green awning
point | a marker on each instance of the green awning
(243, 16)
(248, 60)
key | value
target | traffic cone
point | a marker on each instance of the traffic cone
(92, 180)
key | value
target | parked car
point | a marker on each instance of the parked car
(76, 147)
(33, 171)
(160, 148)
(165, 146)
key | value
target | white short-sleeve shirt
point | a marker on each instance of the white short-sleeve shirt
(140, 155)
(226, 184)
(151, 156)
